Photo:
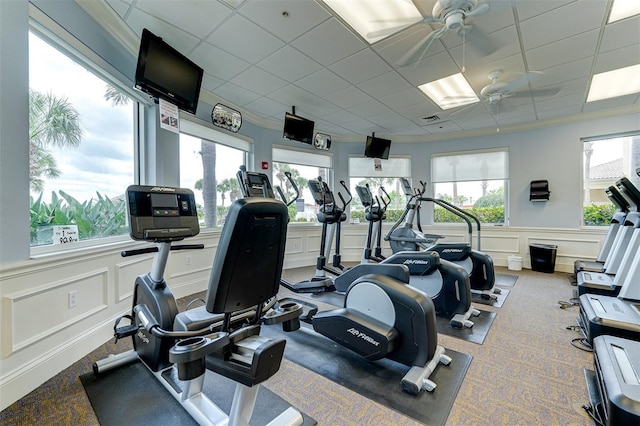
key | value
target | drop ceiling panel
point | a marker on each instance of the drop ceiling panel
(528, 9)
(322, 83)
(433, 68)
(360, 67)
(290, 64)
(561, 23)
(621, 34)
(563, 51)
(258, 81)
(195, 17)
(620, 58)
(217, 62)
(385, 84)
(370, 109)
(267, 107)
(177, 38)
(242, 38)
(328, 43)
(302, 15)
(349, 97)
(403, 99)
(241, 95)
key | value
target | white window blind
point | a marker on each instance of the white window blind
(303, 158)
(394, 167)
(470, 166)
(210, 133)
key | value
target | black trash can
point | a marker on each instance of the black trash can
(543, 257)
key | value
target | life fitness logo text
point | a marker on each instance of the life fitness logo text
(451, 250)
(363, 336)
(163, 189)
(416, 262)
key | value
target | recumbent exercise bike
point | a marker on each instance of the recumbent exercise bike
(224, 335)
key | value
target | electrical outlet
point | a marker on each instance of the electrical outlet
(73, 298)
(295, 246)
(188, 260)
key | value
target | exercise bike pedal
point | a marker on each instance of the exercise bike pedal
(428, 385)
(125, 330)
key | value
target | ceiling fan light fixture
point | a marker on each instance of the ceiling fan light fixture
(611, 84)
(455, 86)
(622, 9)
(370, 17)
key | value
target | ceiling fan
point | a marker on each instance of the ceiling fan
(495, 92)
(453, 15)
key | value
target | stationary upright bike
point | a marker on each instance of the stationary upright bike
(224, 335)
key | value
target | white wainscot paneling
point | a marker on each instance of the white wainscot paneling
(294, 245)
(126, 273)
(44, 310)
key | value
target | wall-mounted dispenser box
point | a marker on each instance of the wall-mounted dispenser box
(539, 190)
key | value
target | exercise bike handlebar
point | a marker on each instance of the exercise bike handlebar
(135, 252)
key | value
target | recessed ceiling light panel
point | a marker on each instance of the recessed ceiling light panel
(376, 19)
(450, 92)
(610, 84)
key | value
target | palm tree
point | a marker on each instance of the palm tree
(209, 193)
(53, 121)
(117, 97)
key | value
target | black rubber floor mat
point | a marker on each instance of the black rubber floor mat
(130, 395)
(379, 381)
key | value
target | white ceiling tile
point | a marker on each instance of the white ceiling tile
(239, 95)
(349, 97)
(442, 127)
(119, 6)
(302, 15)
(291, 95)
(322, 83)
(370, 109)
(561, 23)
(268, 107)
(563, 51)
(528, 9)
(197, 17)
(175, 37)
(290, 64)
(621, 34)
(385, 84)
(258, 81)
(617, 102)
(242, 38)
(568, 71)
(217, 62)
(328, 43)
(558, 112)
(360, 67)
(433, 68)
(405, 98)
(620, 58)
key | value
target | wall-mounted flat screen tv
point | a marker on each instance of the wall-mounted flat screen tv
(298, 129)
(165, 73)
(377, 148)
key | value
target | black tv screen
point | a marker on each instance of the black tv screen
(377, 148)
(298, 129)
(165, 73)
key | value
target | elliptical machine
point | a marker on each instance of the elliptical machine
(375, 209)
(331, 216)
(478, 264)
(224, 335)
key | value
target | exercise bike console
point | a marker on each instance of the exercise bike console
(159, 213)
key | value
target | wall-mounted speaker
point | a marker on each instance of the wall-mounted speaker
(539, 190)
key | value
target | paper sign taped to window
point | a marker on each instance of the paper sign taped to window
(65, 234)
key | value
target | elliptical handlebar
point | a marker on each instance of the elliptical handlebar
(145, 250)
(347, 202)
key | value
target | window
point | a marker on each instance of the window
(303, 166)
(475, 181)
(81, 149)
(209, 161)
(363, 171)
(605, 160)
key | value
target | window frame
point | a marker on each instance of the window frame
(505, 178)
(599, 138)
(392, 175)
(196, 128)
(66, 44)
(284, 154)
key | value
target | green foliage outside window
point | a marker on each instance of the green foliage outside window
(95, 219)
(598, 214)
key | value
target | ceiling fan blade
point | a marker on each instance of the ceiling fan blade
(538, 92)
(480, 9)
(418, 51)
(520, 81)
